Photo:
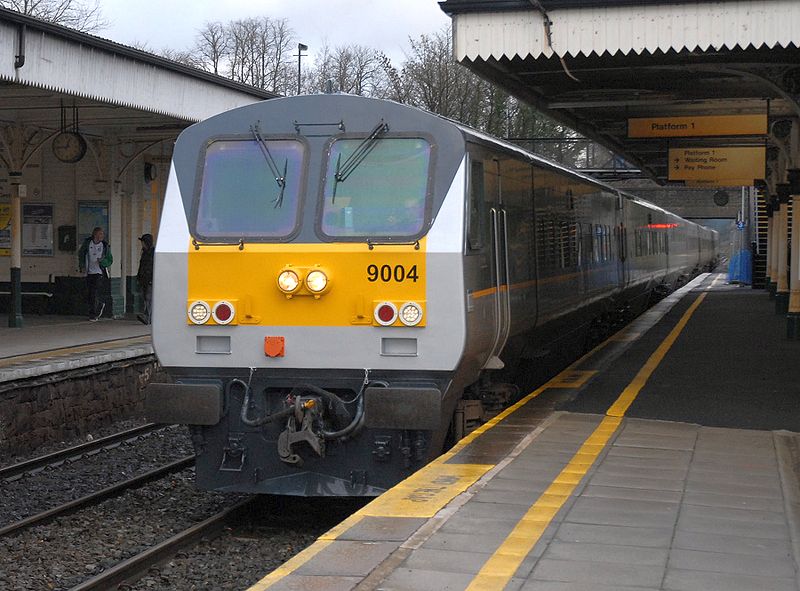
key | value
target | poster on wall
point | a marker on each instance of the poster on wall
(5, 229)
(91, 215)
(37, 229)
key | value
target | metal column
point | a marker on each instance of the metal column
(770, 232)
(782, 251)
(793, 315)
(15, 307)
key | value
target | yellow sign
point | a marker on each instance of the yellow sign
(715, 164)
(697, 126)
(721, 183)
(5, 229)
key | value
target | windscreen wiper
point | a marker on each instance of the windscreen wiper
(346, 168)
(280, 179)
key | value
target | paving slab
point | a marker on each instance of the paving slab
(348, 559)
(742, 564)
(311, 583)
(598, 573)
(643, 537)
(594, 552)
(733, 544)
(692, 580)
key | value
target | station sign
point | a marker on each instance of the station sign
(720, 183)
(715, 165)
(697, 126)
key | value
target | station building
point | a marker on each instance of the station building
(86, 134)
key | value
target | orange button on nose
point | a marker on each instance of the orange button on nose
(274, 346)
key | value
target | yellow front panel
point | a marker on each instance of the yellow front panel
(358, 278)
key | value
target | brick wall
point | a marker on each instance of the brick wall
(72, 404)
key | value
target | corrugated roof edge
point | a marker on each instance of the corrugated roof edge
(461, 6)
(133, 53)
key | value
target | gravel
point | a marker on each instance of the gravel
(117, 427)
(243, 555)
(38, 492)
(69, 550)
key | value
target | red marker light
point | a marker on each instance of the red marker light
(223, 313)
(385, 313)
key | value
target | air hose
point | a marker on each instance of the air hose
(338, 407)
(246, 407)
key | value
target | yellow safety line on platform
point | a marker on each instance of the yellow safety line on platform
(54, 353)
(629, 394)
(501, 566)
(422, 494)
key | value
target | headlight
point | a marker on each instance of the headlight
(199, 312)
(410, 314)
(288, 281)
(316, 281)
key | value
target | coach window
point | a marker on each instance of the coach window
(477, 207)
(245, 194)
(378, 191)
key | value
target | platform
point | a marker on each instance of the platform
(666, 458)
(50, 344)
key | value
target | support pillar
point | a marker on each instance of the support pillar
(782, 252)
(768, 254)
(772, 251)
(15, 308)
(793, 316)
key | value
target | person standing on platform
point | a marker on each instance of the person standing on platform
(94, 258)
(145, 276)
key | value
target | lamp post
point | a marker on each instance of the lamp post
(301, 47)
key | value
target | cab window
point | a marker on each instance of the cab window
(249, 189)
(382, 193)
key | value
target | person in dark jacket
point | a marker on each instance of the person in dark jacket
(94, 258)
(145, 276)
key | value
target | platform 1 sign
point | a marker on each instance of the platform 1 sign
(717, 164)
(697, 126)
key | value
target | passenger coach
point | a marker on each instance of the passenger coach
(339, 281)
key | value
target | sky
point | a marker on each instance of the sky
(380, 24)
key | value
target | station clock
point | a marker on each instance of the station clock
(69, 147)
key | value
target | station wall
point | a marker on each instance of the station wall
(74, 194)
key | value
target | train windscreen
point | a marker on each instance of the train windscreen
(250, 189)
(376, 189)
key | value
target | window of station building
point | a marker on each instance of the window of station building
(378, 192)
(239, 195)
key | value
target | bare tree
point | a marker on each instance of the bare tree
(259, 53)
(353, 69)
(211, 46)
(82, 15)
(439, 84)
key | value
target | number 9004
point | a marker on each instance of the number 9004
(388, 273)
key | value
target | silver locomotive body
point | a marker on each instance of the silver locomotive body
(335, 275)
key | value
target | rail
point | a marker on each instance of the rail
(98, 496)
(131, 569)
(56, 458)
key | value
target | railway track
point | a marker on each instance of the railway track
(57, 458)
(131, 569)
(98, 496)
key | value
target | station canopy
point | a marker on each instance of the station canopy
(53, 77)
(594, 65)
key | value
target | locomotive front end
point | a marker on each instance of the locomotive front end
(308, 294)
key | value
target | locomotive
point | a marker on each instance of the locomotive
(339, 282)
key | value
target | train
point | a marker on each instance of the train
(343, 285)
